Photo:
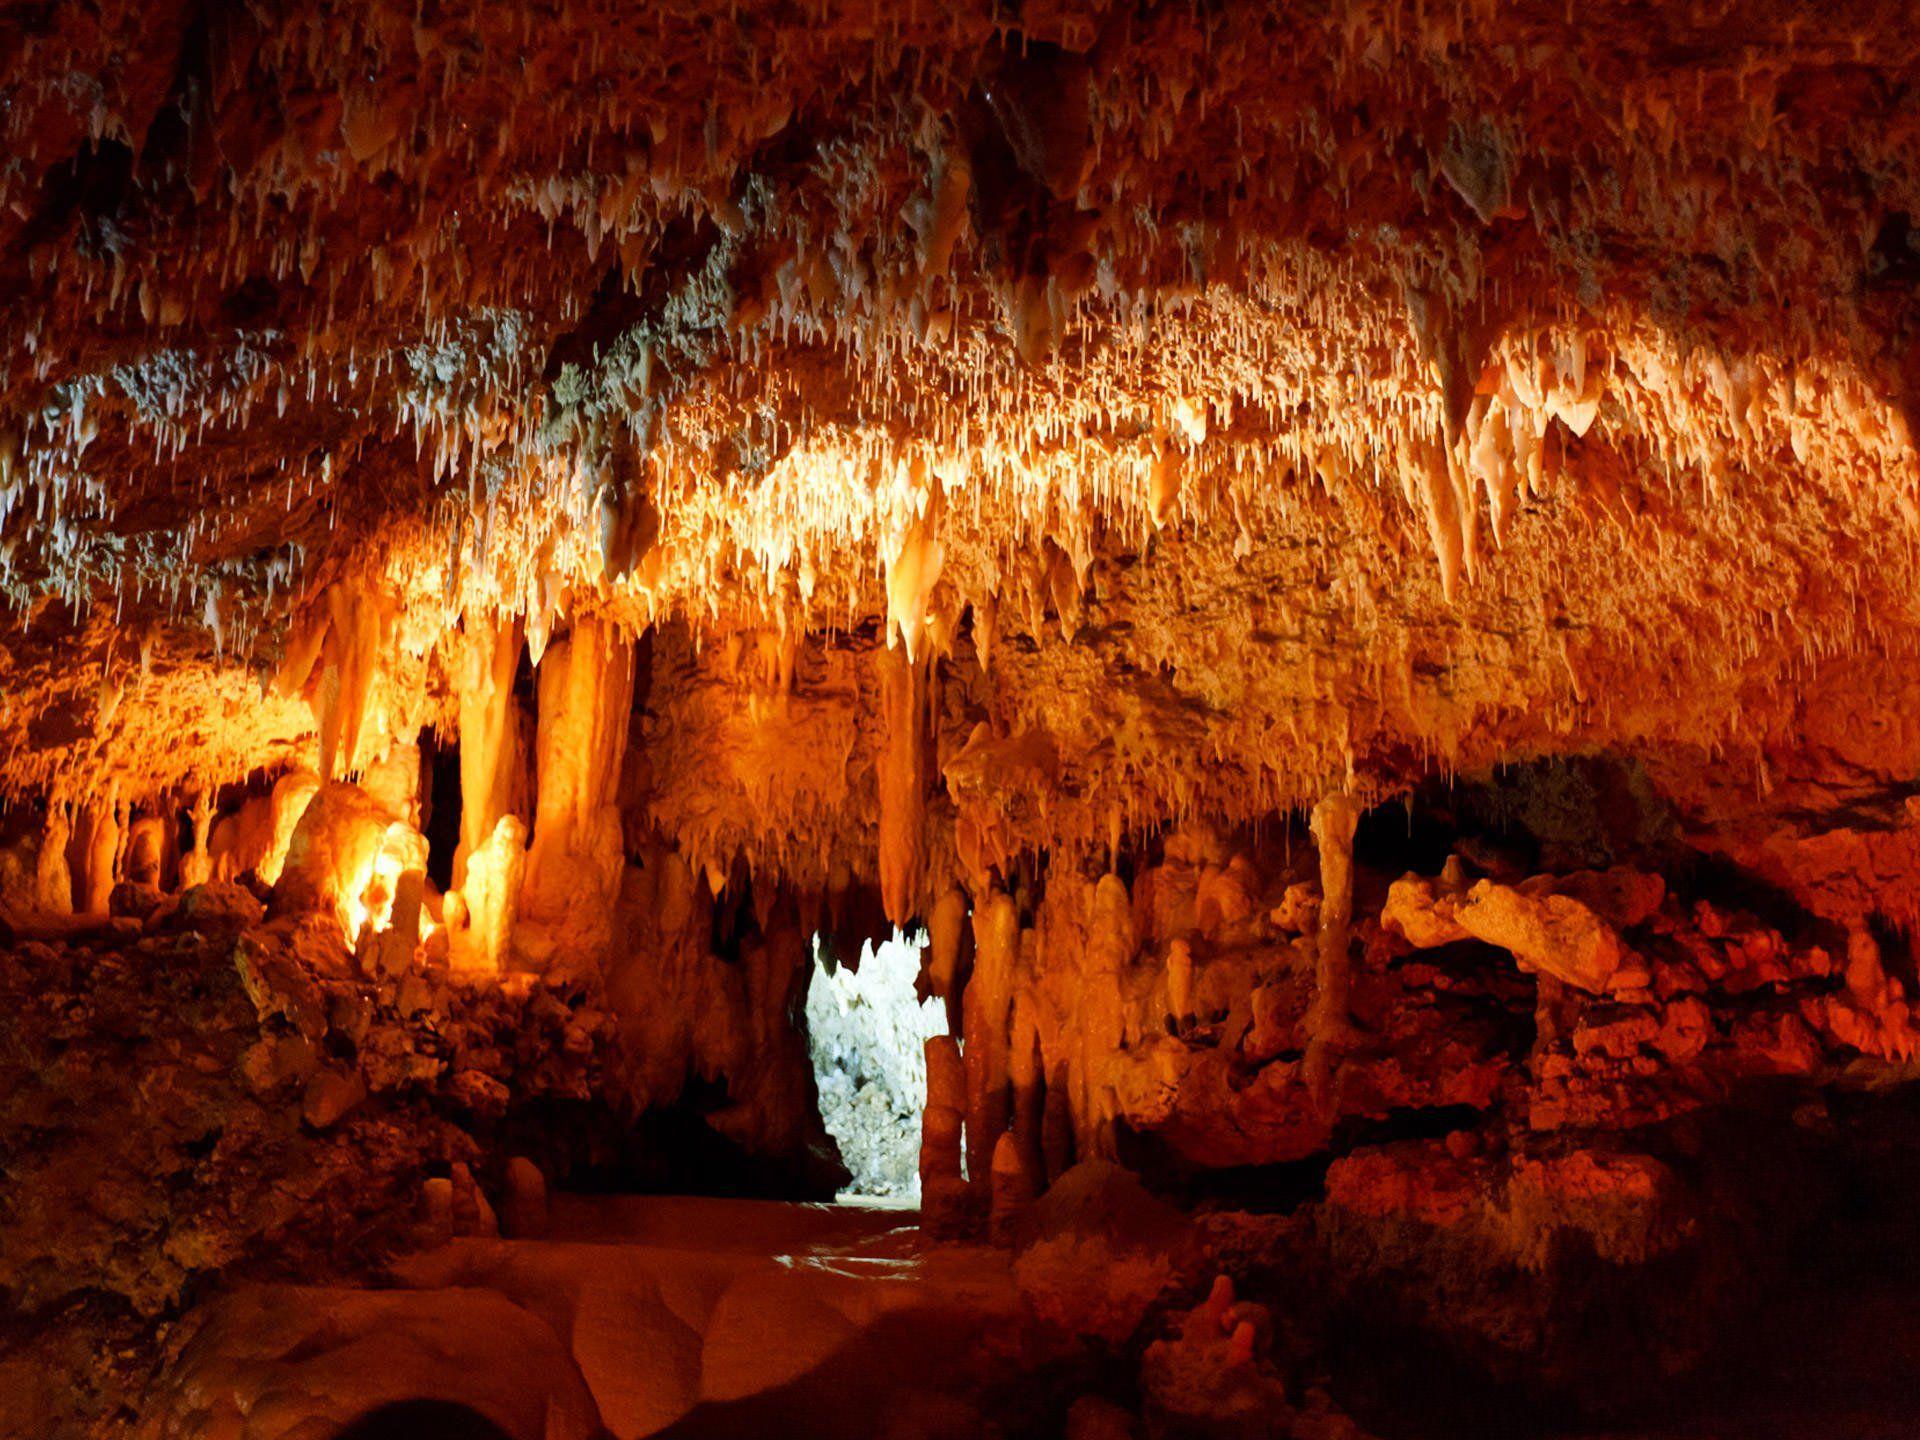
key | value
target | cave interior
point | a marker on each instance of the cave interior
(1113, 719)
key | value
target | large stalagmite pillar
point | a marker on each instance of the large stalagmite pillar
(901, 773)
(573, 867)
(487, 657)
(1329, 1023)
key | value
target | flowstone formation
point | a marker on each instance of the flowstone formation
(1348, 562)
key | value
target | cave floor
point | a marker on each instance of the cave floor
(683, 1317)
(1823, 1363)
(698, 1315)
(695, 1316)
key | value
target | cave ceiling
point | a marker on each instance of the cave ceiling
(1215, 404)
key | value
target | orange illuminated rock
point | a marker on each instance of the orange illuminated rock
(1548, 932)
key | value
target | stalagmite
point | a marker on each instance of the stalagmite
(196, 866)
(242, 840)
(144, 859)
(1180, 984)
(901, 779)
(393, 902)
(100, 842)
(1329, 1022)
(942, 1188)
(393, 781)
(53, 880)
(1025, 1071)
(573, 867)
(1057, 1143)
(332, 860)
(292, 793)
(526, 1213)
(487, 653)
(489, 900)
(1011, 1188)
(987, 1011)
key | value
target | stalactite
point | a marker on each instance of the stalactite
(912, 573)
(946, 933)
(350, 658)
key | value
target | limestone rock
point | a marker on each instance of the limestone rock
(1548, 932)
(330, 1097)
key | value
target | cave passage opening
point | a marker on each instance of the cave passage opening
(867, 1030)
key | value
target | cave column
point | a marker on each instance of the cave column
(986, 1010)
(901, 778)
(1100, 1021)
(1329, 1021)
(488, 654)
(573, 868)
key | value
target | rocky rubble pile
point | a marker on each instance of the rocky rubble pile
(194, 1099)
